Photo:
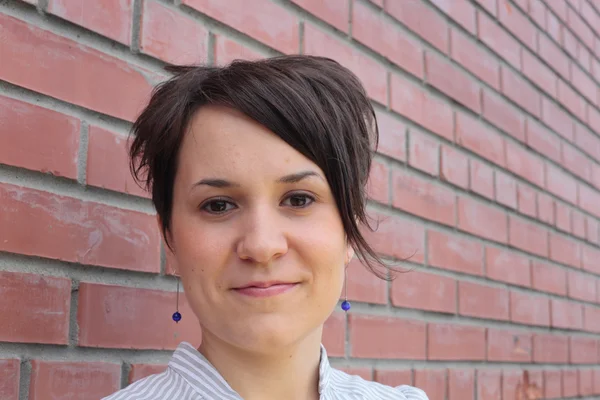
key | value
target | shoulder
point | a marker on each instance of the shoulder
(156, 387)
(355, 385)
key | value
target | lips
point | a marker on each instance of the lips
(265, 289)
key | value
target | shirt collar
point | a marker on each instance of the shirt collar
(196, 370)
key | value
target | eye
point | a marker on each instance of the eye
(299, 200)
(217, 206)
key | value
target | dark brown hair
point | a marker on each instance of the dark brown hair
(316, 105)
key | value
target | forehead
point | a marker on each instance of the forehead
(223, 141)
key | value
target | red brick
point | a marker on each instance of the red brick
(552, 384)
(529, 309)
(334, 335)
(584, 84)
(378, 184)
(364, 373)
(62, 380)
(418, 105)
(527, 236)
(560, 184)
(587, 141)
(592, 228)
(570, 383)
(397, 237)
(550, 349)
(171, 36)
(110, 18)
(591, 319)
(506, 190)
(377, 337)
(554, 56)
(559, 7)
(576, 162)
(519, 91)
(423, 152)
(489, 384)
(539, 74)
(540, 139)
(508, 346)
(241, 15)
(316, 42)
(108, 162)
(422, 20)
(461, 384)
(424, 291)
(581, 29)
(10, 379)
(526, 200)
(104, 322)
(481, 301)
(590, 259)
(589, 200)
(578, 228)
(569, 42)
(460, 11)
(454, 167)
(501, 265)
(23, 145)
(227, 50)
(476, 218)
(596, 175)
(498, 40)
(423, 198)
(553, 27)
(334, 12)
(593, 117)
(96, 81)
(364, 286)
(433, 382)
(525, 164)
(564, 250)
(141, 371)
(545, 208)
(474, 58)
(586, 382)
(72, 230)
(473, 135)
(584, 57)
(511, 384)
(537, 11)
(566, 314)
(571, 100)
(482, 179)
(455, 342)
(583, 350)
(563, 217)
(595, 69)
(582, 286)
(46, 301)
(591, 16)
(549, 278)
(506, 117)
(518, 24)
(454, 253)
(392, 136)
(453, 82)
(394, 377)
(370, 26)
(597, 381)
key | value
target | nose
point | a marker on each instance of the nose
(262, 238)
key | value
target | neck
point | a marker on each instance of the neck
(283, 373)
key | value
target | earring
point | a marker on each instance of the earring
(176, 314)
(346, 303)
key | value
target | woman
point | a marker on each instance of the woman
(257, 172)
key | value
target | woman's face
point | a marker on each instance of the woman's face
(257, 236)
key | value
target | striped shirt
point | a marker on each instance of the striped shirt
(189, 376)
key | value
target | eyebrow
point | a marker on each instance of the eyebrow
(291, 178)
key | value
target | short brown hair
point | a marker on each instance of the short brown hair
(316, 105)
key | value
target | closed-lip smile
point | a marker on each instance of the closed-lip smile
(265, 288)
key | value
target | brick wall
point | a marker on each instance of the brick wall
(488, 171)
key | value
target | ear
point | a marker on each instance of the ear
(169, 254)
(349, 253)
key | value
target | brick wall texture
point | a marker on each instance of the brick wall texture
(488, 175)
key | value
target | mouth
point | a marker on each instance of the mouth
(265, 289)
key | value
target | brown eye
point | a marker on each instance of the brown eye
(299, 200)
(217, 206)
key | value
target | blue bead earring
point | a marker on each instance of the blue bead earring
(346, 303)
(176, 314)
